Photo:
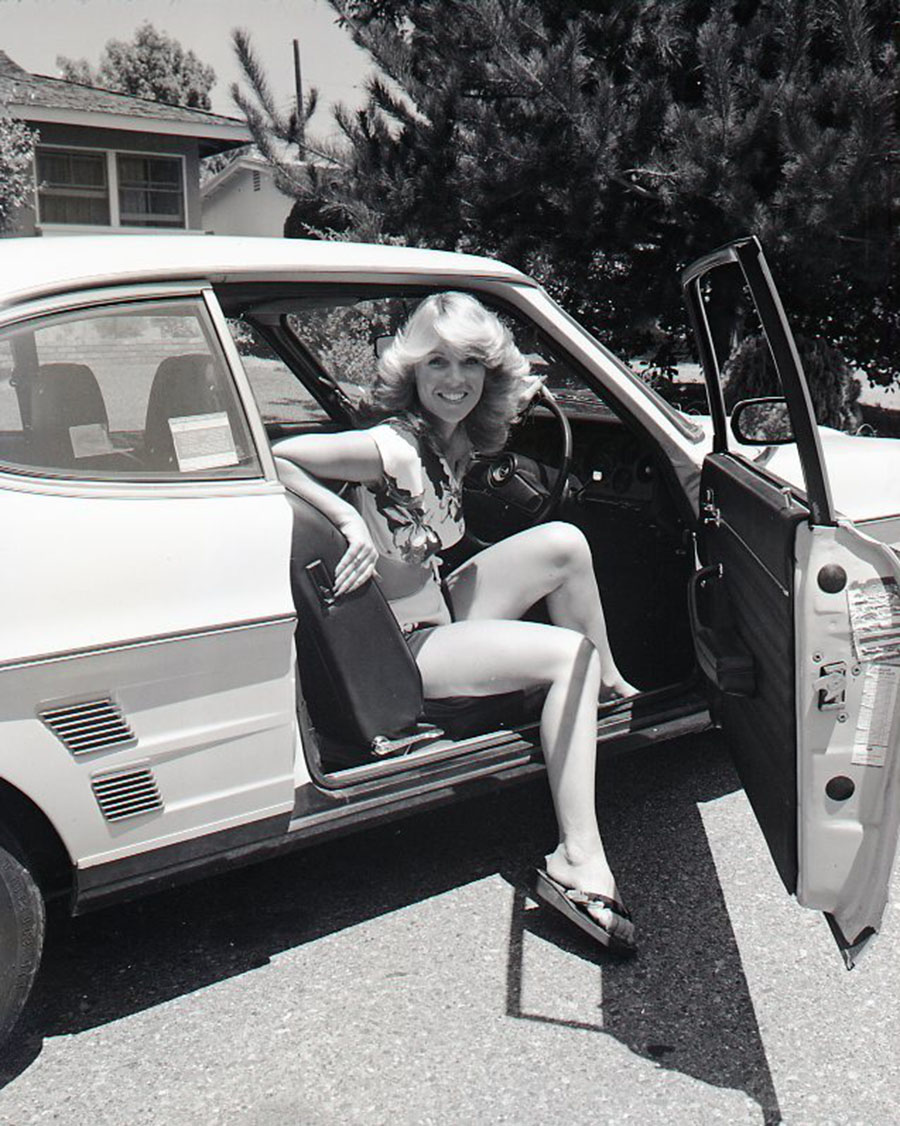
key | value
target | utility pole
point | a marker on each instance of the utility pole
(298, 86)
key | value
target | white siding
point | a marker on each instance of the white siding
(235, 208)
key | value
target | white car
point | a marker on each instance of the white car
(180, 689)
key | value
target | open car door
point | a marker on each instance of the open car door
(796, 614)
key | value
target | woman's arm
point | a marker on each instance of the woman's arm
(346, 456)
(349, 455)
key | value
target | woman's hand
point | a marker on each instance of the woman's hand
(357, 565)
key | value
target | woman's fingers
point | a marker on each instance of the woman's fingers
(356, 566)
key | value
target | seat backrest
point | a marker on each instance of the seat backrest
(182, 386)
(63, 398)
(359, 678)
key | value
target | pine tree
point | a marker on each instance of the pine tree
(792, 138)
(601, 146)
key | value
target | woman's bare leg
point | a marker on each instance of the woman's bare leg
(551, 561)
(479, 658)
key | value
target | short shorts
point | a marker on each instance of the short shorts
(415, 636)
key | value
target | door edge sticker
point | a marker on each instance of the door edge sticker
(874, 607)
(876, 714)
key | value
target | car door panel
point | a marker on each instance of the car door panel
(815, 603)
(748, 535)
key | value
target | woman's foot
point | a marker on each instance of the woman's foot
(593, 875)
(616, 689)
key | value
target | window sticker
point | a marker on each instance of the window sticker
(203, 441)
(876, 712)
(89, 440)
(875, 619)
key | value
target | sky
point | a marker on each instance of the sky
(34, 32)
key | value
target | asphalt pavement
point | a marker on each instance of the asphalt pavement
(403, 976)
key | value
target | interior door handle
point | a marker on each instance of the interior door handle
(721, 654)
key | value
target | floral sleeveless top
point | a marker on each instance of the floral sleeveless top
(412, 513)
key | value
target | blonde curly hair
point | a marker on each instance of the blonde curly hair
(460, 323)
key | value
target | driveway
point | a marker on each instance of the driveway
(403, 976)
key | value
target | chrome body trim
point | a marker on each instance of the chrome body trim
(68, 301)
(142, 642)
(137, 490)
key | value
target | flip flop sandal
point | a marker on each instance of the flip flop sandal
(574, 905)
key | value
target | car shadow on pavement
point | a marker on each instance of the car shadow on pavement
(683, 1003)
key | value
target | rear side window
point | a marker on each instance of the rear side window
(133, 392)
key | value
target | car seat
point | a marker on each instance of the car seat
(360, 681)
(64, 398)
(182, 386)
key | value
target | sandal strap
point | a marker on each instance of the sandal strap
(586, 897)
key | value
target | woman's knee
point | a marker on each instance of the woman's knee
(576, 657)
(566, 546)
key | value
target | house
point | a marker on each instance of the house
(242, 199)
(110, 162)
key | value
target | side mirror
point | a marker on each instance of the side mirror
(762, 422)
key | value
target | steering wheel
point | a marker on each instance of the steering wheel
(515, 481)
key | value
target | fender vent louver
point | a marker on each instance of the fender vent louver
(126, 793)
(91, 725)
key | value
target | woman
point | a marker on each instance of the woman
(449, 385)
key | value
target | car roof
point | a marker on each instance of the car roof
(35, 267)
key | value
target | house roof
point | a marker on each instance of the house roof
(38, 98)
(245, 163)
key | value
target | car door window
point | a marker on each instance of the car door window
(345, 339)
(133, 392)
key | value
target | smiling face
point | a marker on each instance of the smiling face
(449, 386)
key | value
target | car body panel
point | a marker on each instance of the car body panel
(863, 472)
(42, 267)
(211, 716)
(204, 561)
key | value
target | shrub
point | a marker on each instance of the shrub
(750, 374)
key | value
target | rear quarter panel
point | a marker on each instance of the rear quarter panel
(179, 610)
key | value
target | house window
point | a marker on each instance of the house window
(73, 187)
(150, 191)
(90, 188)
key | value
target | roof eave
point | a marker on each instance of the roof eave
(240, 164)
(218, 133)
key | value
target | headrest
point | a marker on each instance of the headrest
(64, 395)
(182, 386)
(66, 402)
